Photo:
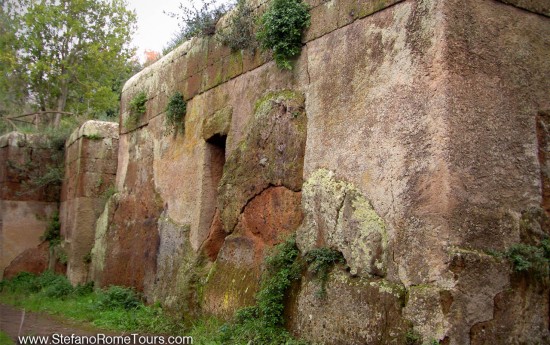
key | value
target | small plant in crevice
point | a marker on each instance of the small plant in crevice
(61, 256)
(109, 192)
(263, 322)
(175, 113)
(280, 29)
(136, 109)
(239, 34)
(320, 261)
(412, 337)
(53, 231)
(529, 258)
(93, 136)
(87, 259)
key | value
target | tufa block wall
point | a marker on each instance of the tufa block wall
(411, 136)
(90, 168)
(24, 210)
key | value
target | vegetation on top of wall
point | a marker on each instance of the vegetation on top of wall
(320, 261)
(281, 29)
(196, 22)
(136, 109)
(239, 34)
(175, 113)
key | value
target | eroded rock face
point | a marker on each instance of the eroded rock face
(354, 311)
(90, 169)
(426, 147)
(271, 154)
(338, 216)
(132, 235)
(259, 201)
(34, 260)
(25, 209)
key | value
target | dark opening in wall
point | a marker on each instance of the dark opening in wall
(214, 235)
(218, 141)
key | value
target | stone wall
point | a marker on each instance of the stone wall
(25, 210)
(411, 136)
(90, 167)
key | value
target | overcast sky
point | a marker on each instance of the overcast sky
(154, 28)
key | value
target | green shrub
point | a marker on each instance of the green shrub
(118, 297)
(320, 261)
(53, 231)
(136, 109)
(239, 34)
(528, 258)
(281, 29)
(58, 287)
(175, 113)
(23, 282)
(83, 289)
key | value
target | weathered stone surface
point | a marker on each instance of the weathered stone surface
(22, 223)
(338, 216)
(266, 220)
(527, 298)
(177, 268)
(217, 124)
(90, 168)
(131, 248)
(24, 158)
(215, 239)
(234, 278)
(271, 154)
(418, 128)
(354, 311)
(537, 6)
(33, 260)
(432, 112)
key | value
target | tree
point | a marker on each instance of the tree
(12, 85)
(74, 52)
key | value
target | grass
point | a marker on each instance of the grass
(116, 308)
(4, 339)
(121, 309)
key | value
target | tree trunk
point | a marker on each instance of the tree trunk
(61, 102)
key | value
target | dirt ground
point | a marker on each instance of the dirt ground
(41, 324)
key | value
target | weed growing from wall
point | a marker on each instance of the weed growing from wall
(528, 258)
(281, 29)
(320, 261)
(239, 34)
(263, 323)
(136, 109)
(53, 231)
(175, 113)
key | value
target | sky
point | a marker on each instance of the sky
(154, 28)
